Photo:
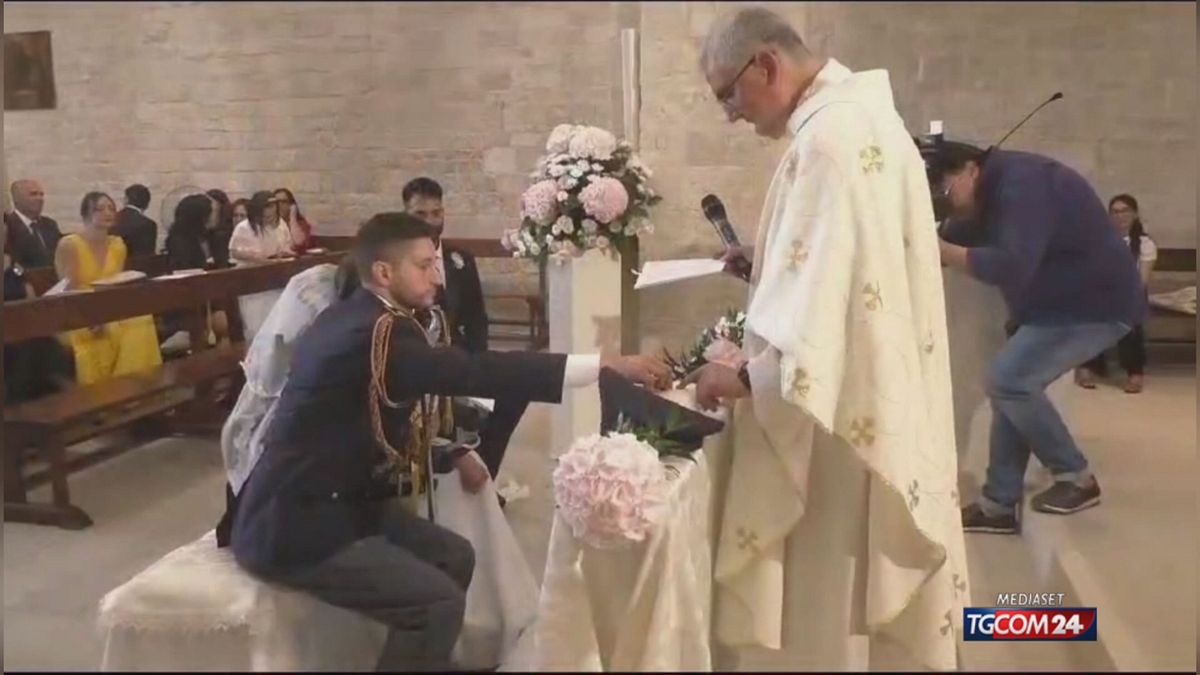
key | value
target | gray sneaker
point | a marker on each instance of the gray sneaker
(975, 519)
(1067, 497)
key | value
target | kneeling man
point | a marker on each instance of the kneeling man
(364, 398)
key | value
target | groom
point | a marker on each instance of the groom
(351, 433)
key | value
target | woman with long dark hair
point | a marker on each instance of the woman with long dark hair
(258, 239)
(187, 237)
(290, 216)
(220, 228)
(1131, 350)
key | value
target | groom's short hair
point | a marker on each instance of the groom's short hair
(382, 231)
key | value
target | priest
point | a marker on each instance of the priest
(840, 545)
(323, 508)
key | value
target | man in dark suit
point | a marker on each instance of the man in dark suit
(139, 232)
(461, 298)
(34, 237)
(352, 432)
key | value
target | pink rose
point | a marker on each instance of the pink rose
(725, 353)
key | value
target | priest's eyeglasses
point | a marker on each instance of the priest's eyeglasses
(725, 95)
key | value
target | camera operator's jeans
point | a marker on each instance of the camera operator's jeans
(1024, 419)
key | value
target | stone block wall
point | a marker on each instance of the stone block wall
(345, 101)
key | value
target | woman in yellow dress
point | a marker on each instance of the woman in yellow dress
(119, 347)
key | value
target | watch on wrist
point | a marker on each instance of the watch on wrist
(743, 374)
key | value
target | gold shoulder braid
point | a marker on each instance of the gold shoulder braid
(431, 415)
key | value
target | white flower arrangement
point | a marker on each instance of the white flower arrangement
(590, 191)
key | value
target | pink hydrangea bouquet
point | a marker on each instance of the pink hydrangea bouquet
(590, 191)
(610, 489)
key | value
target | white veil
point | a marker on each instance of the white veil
(266, 367)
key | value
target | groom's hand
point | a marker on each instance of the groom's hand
(650, 371)
(715, 382)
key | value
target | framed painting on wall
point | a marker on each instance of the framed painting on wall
(28, 71)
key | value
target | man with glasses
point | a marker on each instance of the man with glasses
(841, 546)
(1036, 229)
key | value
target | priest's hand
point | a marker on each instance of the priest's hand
(650, 371)
(739, 260)
(715, 382)
(473, 474)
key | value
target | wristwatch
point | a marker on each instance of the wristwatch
(743, 374)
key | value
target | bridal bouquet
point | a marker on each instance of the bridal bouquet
(589, 191)
(720, 343)
(610, 489)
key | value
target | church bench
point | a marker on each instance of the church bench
(1175, 269)
(43, 279)
(42, 429)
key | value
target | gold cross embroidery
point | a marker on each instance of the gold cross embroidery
(928, 346)
(800, 384)
(862, 432)
(954, 496)
(960, 586)
(747, 540)
(872, 159)
(798, 257)
(872, 296)
(914, 497)
(949, 625)
(907, 244)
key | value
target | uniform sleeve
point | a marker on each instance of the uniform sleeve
(415, 368)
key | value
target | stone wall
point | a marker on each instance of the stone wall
(344, 102)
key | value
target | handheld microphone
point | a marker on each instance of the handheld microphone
(714, 211)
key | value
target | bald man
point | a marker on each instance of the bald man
(841, 546)
(34, 236)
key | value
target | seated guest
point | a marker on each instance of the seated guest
(460, 295)
(291, 217)
(139, 232)
(34, 236)
(1131, 349)
(258, 239)
(238, 211)
(35, 367)
(119, 347)
(321, 510)
(187, 242)
(220, 229)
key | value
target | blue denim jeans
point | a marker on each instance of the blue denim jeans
(1023, 419)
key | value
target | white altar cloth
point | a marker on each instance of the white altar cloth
(642, 608)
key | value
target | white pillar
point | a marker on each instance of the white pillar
(585, 318)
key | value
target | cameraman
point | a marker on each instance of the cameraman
(1036, 229)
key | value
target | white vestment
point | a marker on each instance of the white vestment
(840, 543)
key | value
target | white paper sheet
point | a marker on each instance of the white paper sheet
(661, 272)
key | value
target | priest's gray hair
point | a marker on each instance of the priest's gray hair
(733, 38)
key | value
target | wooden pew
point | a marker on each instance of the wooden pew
(43, 278)
(182, 387)
(534, 320)
(1175, 269)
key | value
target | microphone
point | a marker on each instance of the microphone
(1057, 95)
(714, 211)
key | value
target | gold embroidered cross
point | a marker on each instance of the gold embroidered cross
(928, 346)
(954, 496)
(960, 585)
(872, 297)
(907, 243)
(949, 625)
(798, 257)
(862, 431)
(913, 497)
(747, 540)
(872, 159)
(800, 384)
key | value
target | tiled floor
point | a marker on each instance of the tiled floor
(1134, 557)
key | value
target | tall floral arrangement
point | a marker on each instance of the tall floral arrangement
(719, 343)
(590, 191)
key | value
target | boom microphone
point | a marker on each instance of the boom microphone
(1057, 95)
(714, 211)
